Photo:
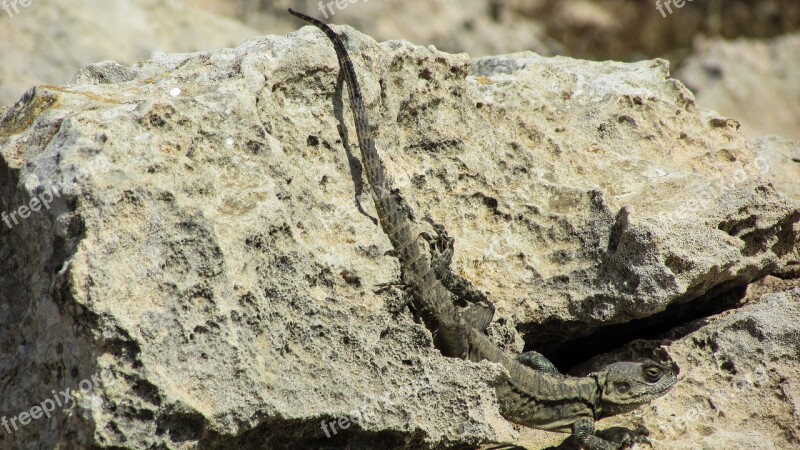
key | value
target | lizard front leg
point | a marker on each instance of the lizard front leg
(583, 430)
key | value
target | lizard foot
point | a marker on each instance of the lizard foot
(625, 438)
(441, 247)
(441, 250)
(614, 438)
(401, 302)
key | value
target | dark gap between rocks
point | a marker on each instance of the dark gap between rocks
(291, 434)
(566, 345)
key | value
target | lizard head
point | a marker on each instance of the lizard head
(625, 386)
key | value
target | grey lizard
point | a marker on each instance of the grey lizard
(533, 394)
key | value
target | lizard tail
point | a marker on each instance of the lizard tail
(431, 298)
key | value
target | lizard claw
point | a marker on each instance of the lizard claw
(442, 248)
(633, 438)
(441, 245)
(430, 239)
(624, 438)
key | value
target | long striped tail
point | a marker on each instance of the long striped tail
(431, 298)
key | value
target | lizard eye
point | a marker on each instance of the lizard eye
(652, 374)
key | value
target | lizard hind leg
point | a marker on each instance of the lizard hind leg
(477, 310)
(479, 315)
(441, 250)
(441, 247)
(403, 301)
(537, 361)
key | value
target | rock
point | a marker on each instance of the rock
(630, 30)
(754, 81)
(779, 161)
(631, 231)
(201, 256)
(47, 42)
(740, 388)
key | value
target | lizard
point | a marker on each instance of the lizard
(533, 393)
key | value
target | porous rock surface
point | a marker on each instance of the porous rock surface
(782, 157)
(205, 247)
(739, 386)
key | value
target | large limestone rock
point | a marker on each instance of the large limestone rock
(740, 386)
(201, 254)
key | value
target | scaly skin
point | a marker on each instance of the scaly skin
(534, 394)
(434, 301)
